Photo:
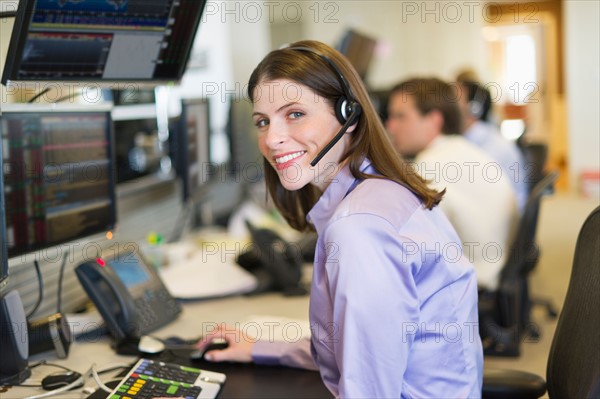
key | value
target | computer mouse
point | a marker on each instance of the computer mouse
(150, 345)
(216, 344)
(60, 379)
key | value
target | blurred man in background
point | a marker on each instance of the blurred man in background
(424, 122)
(475, 105)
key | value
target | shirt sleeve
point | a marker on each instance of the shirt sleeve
(375, 305)
(292, 354)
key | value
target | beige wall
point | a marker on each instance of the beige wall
(582, 22)
(416, 38)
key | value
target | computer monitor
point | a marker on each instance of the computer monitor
(114, 40)
(3, 255)
(246, 160)
(58, 176)
(194, 145)
(140, 148)
(359, 49)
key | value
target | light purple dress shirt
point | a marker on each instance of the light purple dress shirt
(393, 306)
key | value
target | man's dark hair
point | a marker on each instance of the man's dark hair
(433, 94)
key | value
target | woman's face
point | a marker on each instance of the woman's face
(294, 124)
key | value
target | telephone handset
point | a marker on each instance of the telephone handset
(128, 293)
(276, 264)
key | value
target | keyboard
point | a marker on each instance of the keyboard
(150, 379)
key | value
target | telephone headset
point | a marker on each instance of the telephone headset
(347, 109)
(477, 103)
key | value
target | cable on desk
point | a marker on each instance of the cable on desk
(115, 367)
(182, 220)
(41, 93)
(40, 290)
(60, 281)
(81, 380)
(43, 363)
(97, 379)
(67, 97)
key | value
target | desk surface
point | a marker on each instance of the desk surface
(243, 380)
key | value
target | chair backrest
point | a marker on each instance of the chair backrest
(535, 156)
(523, 251)
(574, 360)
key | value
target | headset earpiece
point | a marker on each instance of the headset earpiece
(475, 109)
(344, 109)
(477, 104)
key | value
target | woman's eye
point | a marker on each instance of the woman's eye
(261, 123)
(296, 115)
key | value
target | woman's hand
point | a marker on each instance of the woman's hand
(239, 348)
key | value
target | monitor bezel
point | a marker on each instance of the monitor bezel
(352, 39)
(242, 135)
(21, 28)
(137, 112)
(3, 251)
(182, 145)
(54, 109)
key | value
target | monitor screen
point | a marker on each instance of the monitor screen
(140, 148)
(246, 159)
(58, 177)
(359, 50)
(194, 145)
(97, 40)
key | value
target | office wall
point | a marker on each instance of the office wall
(582, 65)
(209, 71)
(416, 38)
(231, 41)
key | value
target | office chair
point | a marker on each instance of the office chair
(504, 313)
(535, 156)
(573, 369)
(380, 99)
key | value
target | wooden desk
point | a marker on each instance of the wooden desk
(243, 380)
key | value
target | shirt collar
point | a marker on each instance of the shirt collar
(342, 184)
(440, 141)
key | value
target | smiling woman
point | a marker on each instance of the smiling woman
(390, 316)
(314, 73)
(292, 130)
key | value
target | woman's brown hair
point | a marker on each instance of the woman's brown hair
(369, 139)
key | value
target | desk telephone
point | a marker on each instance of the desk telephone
(128, 293)
(276, 264)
